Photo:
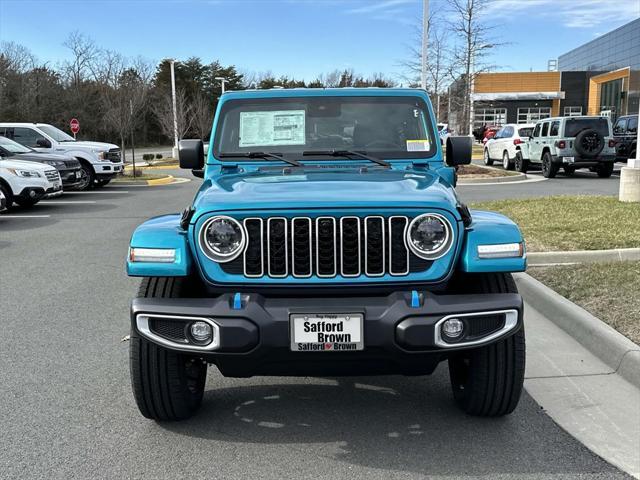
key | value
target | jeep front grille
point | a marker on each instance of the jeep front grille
(326, 247)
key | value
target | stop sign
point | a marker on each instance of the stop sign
(74, 124)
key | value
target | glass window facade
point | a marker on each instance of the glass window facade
(617, 49)
(572, 111)
(532, 115)
(489, 116)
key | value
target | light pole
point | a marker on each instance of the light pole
(425, 43)
(222, 81)
(630, 176)
(175, 113)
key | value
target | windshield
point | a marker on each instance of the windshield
(55, 133)
(386, 127)
(13, 147)
(575, 126)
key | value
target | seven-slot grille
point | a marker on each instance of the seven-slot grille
(52, 175)
(325, 247)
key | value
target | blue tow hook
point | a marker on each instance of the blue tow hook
(416, 299)
(237, 301)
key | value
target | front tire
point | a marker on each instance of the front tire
(487, 159)
(167, 385)
(487, 381)
(8, 195)
(521, 164)
(549, 169)
(88, 177)
(101, 182)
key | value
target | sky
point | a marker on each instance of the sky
(301, 38)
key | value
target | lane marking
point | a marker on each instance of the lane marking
(24, 216)
(66, 202)
(99, 192)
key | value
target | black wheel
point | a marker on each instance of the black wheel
(549, 169)
(506, 163)
(166, 385)
(487, 159)
(26, 202)
(87, 178)
(8, 195)
(569, 170)
(487, 381)
(101, 182)
(521, 164)
(604, 170)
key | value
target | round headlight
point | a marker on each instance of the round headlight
(222, 239)
(429, 236)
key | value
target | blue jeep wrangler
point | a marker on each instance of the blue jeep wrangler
(326, 239)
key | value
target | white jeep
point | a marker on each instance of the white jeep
(26, 183)
(571, 143)
(100, 161)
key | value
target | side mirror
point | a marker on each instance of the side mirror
(43, 143)
(459, 151)
(191, 154)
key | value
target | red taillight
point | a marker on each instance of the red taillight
(561, 144)
(517, 141)
(612, 143)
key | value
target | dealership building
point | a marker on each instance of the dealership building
(601, 77)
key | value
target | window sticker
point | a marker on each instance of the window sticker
(418, 145)
(282, 127)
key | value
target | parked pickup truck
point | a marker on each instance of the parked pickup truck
(26, 183)
(326, 239)
(571, 143)
(71, 173)
(100, 161)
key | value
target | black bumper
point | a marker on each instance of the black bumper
(398, 337)
(71, 177)
(579, 162)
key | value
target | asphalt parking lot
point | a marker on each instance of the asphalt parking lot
(68, 411)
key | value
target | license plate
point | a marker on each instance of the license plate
(340, 332)
(57, 186)
(78, 174)
(568, 159)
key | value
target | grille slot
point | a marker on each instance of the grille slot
(52, 175)
(374, 246)
(326, 247)
(172, 329)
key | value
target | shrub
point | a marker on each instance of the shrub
(158, 156)
(148, 156)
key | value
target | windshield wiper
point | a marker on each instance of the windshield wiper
(265, 155)
(347, 153)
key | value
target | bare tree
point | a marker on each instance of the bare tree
(85, 54)
(162, 109)
(475, 42)
(202, 115)
(17, 57)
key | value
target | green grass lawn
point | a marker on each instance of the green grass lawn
(572, 222)
(607, 290)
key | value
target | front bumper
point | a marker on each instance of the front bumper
(400, 336)
(107, 169)
(71, 178)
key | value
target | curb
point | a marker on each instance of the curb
(610, 346)
(172, 166)
(506, 179)
(148, 183)
(583, 256)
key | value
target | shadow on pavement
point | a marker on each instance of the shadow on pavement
(389, 423)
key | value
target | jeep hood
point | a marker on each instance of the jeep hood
(319, 188)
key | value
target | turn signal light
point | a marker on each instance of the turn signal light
(517, 141)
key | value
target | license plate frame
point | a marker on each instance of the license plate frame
(302, 341)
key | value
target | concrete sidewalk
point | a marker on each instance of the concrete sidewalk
(582, 394)
(582, 256)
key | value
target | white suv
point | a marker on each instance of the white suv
(100, 161)
(26, 183)
(506, 145)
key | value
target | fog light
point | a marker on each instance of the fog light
(452, 328)
(201, 332)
